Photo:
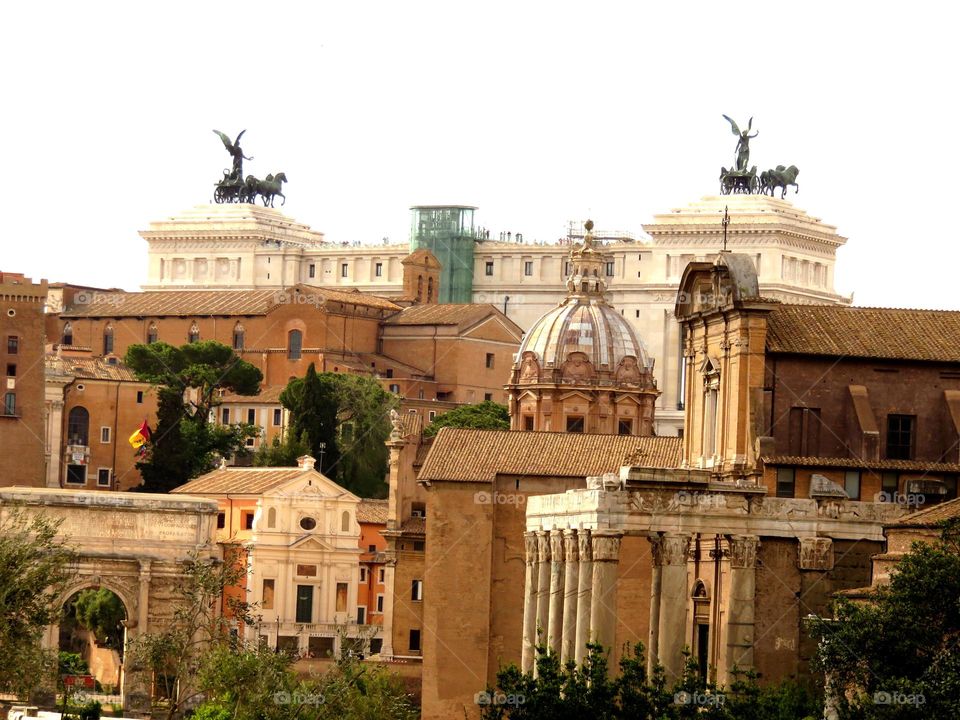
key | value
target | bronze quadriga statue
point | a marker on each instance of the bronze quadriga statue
(234, 188)
(739, 180)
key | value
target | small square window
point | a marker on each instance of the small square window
(11, 370)
(221, 521)
(105, 435)
(851, 484)
(625, 427)
(575, 424)
(225, 416)
(786, 482)
(76, 474)
(379, 603)
(13, 345)
(371, 548)
(103, 477)
(488, 268)
(251, 416)
(488, 397)
(414, 641)
(490, 360)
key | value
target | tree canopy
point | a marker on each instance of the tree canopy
(185, 443)
(487, 415)
(34, 571)
(101, 612)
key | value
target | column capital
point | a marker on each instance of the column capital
(606, 546)
(743, 551)
(556, 545)
(543, 546)
(530, 545)
(675, 549)
(816, 553)
(584, 540)
(570, 545)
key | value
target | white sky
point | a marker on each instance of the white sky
(537, 113)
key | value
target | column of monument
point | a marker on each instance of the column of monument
(557, 570)
(740, 605)
(603, 605)
(674, 591)
(571, 592)
(543, 585)
(528, 652)
(584, 594)
(653, 643)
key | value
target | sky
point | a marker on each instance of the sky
(537, 113)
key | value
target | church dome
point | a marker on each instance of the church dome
(584, 338)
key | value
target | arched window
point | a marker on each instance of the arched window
(108, 340)
(345, 522)
(272, 517)
(430, 290)
(238, 337)
(67, 338)
(152, 333)
(294, 344)
(78, 426)
(194, 334)
(419, 288)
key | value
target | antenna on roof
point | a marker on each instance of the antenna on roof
(725, 222)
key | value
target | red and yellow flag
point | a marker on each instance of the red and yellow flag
(140, 436)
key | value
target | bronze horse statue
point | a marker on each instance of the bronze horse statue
(782, 177)
(267, 189)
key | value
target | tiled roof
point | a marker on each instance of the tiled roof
(187, 303)
(423, 449)
(269, 395)
(466, 455)
(445, 314)
(240, 481)
(372, 511)
(930, 516)
(88, 368)
(888, 333)
(414, 526)
(827, 462)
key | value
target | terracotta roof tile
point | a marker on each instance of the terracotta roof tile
(888, 333)
(445, 314)
(930, 516)
(372, 511)
(88, 368)
(827, 462)
(414, 526)
(240, 481)
(462, 455)
(269, 395)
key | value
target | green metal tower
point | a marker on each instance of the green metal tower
(447, 231)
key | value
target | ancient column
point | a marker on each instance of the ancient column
(584, 595)
(529, 651)
(543, 586)
(143, 601)
(740, 605)
(674, 592)
(389, 599)
(603, 604)
(568, 642)
(653, 643)
(555, 627)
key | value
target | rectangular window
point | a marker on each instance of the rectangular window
(221, 521)
(363, 574)
(900, 437)
(225, 416)
(312, 270)
(343, 270)
(251, 416)
(267, 595)
(528, 423)
(105, 435)
(625, 427)
(103, 477)
(304, 603)
(378, 269)
(431, 415)
(139, 397)
(277, 414)
(488, 397)
(13, 344)
(418, 509)
(528, 268)
(804, 431)
(361, 615)
(76, 474)
(890, 485)
(416, 590)
(9, 404)
(414, 641)
(609, 268)
(307, 570)
(341, 597)
(11, 370)
(575, 424)
(488, 268)
(419, 545)
(248, 521)
(371, 548)
(490, 360)
(380, 576)
(786, 482)
(851, 483)
(379, 603)
(238, 340)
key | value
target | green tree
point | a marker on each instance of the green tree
(282, 453)
(35, 566)
(313, 406)
(175, 655)
(487, 415)
(185, 444)
(898, 655)
(101, 612)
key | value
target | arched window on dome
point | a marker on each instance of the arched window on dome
(67, 337)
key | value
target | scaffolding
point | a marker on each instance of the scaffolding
(447, 231)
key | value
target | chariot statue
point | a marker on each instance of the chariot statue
(233, 187)
(738, 179)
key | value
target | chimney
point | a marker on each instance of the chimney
(305, 462)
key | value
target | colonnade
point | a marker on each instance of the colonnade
(570, 592)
